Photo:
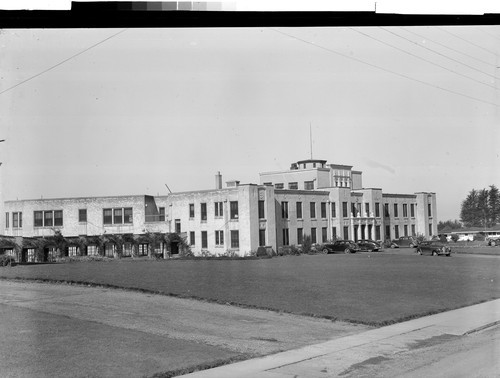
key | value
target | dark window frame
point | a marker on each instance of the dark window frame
(234, 211)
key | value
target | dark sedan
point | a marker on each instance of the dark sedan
(346, 246)
(404, 241)
(368, 245)
(433, 248)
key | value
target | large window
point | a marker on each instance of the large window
(313, 235)
(204, 239)
(299, 210)
(323, 209)
(17, 220)
(346, 232)
(278, 185)
(38, 218)
(284, 210)
(377, 210)
(334, 210)
(219, 209)
(396, 231)
(405, 211)
(367, 209)
(118, 215)
(300, 236)
(293, 185)
(235, 239)
(405, 230)
(324, 235)
(262, 213)
(286, 236)
(386, 209)
(413, 233)
(430, 228)
(344, 209)
(377, 232)
(412, 210)
(48, 218)
(191, 238)
(396, 210)
(191, 210)
(308, 185)
(203, 210)
(312, 210)
(82, 215)
(7, 220)
(161, 211)
(429, 209)
(178, 226)
(334, 233)
(233, 206)
(219, 238)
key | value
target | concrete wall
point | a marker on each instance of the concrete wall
(320, 176)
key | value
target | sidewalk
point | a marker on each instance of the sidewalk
(336, 356)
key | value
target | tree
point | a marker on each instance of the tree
(481, 208)
(494, 204)
(468, 213)
(449, 225)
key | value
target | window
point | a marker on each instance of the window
(262, 238)
(191, 238)
(191, 210)
(48, 218)
(234, 209)
(313, 235)
(386, 209)
(7, 220)
(262, 213)
(82, 215)
(204, 240)
(38, 218)
(346, 232)
(405, 230)
(323, 209)
(429, 208)
(308, 185)
(92, 250)
(284, 210)
(387, 232)
(413, 233)
(219, 237)
(405, 211)
(72, 250)
(58, 218)
(396, 210)
(235, 239)
(334, 210)
(109, 216)
(279, 185)
(299, 210)
(162, 214)
(396, 231)
(300, 236)
(178, 226)
(17, 220)
(203, 211)
(324, 235)
(286, 239)
(218, 210)
(430, 228)
(293, 185)
(377, 210)
(312, 210)
(412, 210)
(117, 216)
(367, 209)
(377, 232)
(334, 232)
(344, 209)
(354, 210)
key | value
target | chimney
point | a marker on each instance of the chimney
(218, 181)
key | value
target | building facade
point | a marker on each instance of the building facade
(312, 198)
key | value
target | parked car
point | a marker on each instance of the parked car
(433, 248)
(404, 241)
(346, 246)
(493, 240)
(368, 245)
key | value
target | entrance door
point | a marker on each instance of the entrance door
(174, 248)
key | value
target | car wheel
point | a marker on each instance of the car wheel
(393, 246)
(325, 251)
(411, 245)
(434, 253)
(493, 243)
(347, 250)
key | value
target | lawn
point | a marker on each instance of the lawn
(370, 288)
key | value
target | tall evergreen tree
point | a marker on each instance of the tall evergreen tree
(494, 205)
(469, 214)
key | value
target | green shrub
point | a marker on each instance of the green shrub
(262, 252)
(306, 244)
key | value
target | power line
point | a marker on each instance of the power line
(385, 69)
(60, 63)
(419, 57)
(465, 40)
(443, 55)
(450, 48)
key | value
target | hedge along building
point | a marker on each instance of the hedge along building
(312, 198)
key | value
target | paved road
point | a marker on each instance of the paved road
(62, 330)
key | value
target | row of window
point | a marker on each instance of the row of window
(356, 209)
(17, 220)
(324, 235)
(405, 231)
(219, 238)
(308, 185)
(219, 210)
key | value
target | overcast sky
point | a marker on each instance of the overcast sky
(94, 112)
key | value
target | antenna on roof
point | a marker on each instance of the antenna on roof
(310, 139)
(168, 188)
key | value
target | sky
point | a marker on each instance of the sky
(97, 112)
